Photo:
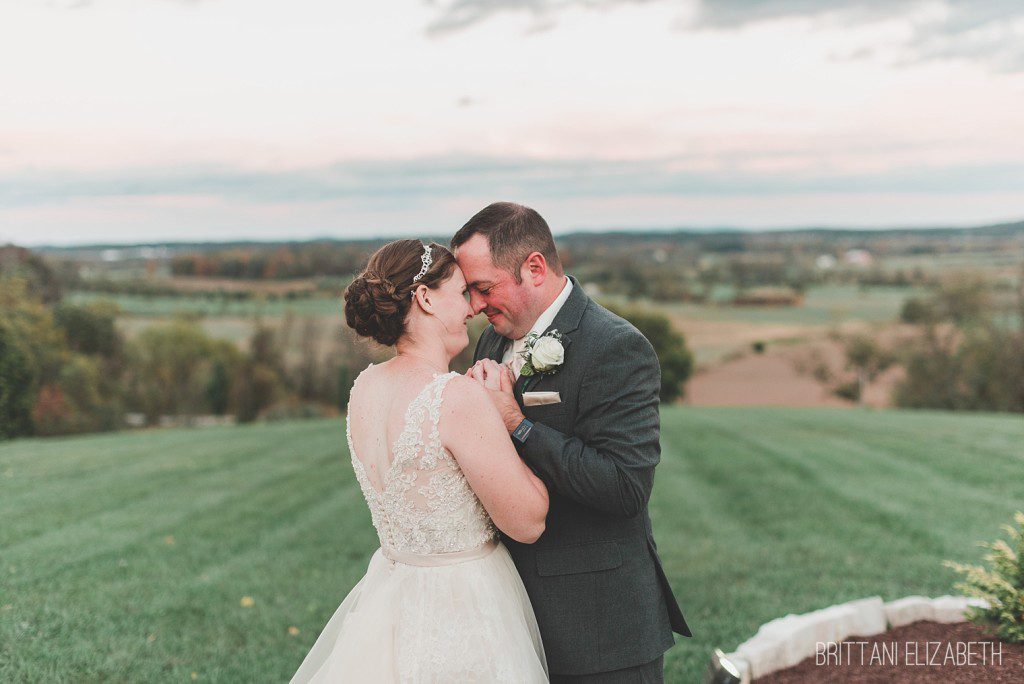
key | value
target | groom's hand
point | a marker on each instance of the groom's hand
(499, 382)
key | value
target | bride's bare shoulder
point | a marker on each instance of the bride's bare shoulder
(464, 396)
(371, 384)
(468, 416)
(368, 373)
(463, 386)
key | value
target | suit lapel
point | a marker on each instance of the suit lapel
(566, 321)
(494, 346)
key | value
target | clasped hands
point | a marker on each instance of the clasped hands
(498, 380)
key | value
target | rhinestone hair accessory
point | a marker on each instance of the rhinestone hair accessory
(427, 258)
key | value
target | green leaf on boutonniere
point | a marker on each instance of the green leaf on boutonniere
(530, 366)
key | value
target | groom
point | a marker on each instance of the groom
(583, 414)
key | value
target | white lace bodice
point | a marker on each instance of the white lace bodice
(425, 504)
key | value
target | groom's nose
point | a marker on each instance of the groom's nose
(476, 301)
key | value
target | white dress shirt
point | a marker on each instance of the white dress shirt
(512, 352)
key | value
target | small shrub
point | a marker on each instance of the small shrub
(822, 372)
(296, 409)
(256, 387)
(16, 379)
(90, 328)
(346, 378)
(848, 390)
(1002, 586)
(916, 310)
(218, 388)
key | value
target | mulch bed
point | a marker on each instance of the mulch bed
(919, 652)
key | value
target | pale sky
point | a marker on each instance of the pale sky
(146, 120)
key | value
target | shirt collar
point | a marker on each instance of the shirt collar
(545, 319)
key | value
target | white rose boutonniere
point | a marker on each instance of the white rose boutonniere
(543, 354)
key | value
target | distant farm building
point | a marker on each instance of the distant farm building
(858, 257)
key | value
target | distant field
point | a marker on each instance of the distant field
(129, 557)
(824, 305)
(996, 262)
(713, 331)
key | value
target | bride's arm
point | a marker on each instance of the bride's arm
(474, 433)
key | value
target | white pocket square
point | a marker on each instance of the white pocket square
(538, 398)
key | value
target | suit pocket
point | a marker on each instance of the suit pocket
(541, 398)
(569, 560)
(547, 413)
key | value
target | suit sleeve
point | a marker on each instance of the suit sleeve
(608, 464)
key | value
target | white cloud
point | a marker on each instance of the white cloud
(989, 31)
(224, 113)
(431, 195)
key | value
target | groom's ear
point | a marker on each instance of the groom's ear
(535, 268)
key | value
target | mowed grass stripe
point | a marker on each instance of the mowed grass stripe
(153, 462)
(96, 516)
(775, 511)
(238, 524)
(125, 557)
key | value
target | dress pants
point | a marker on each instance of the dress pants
(648, 673)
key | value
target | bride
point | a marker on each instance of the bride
(441, 600)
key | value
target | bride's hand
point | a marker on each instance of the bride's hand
(488, 373)
(476, 372)
(500, 383)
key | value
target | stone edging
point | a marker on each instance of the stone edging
(785, 641)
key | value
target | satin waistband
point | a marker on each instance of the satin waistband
(439, 559)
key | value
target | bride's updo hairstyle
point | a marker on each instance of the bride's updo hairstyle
(378, 300)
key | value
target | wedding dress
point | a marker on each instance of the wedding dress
(441, 600)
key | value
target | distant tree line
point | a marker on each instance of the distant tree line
(969, 350)
(965, 351)
(163, 288)
(283, 262)
(673, 267)
(66, 368)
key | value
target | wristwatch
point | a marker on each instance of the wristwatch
(522, 431)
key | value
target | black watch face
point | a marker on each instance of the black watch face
(523, 430)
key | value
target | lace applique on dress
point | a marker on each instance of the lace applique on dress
(425, 504)
(429, 622)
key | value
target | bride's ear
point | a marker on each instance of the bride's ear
(421, 295)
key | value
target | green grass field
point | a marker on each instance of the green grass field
(824, 305)
(134, 556)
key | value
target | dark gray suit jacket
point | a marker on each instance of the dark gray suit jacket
(594, 577)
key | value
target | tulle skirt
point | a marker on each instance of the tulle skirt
(453, 617)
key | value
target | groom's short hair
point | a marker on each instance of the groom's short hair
(513, 231)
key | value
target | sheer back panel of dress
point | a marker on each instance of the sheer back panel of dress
(419, 499)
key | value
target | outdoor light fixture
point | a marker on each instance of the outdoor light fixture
(721, 670)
